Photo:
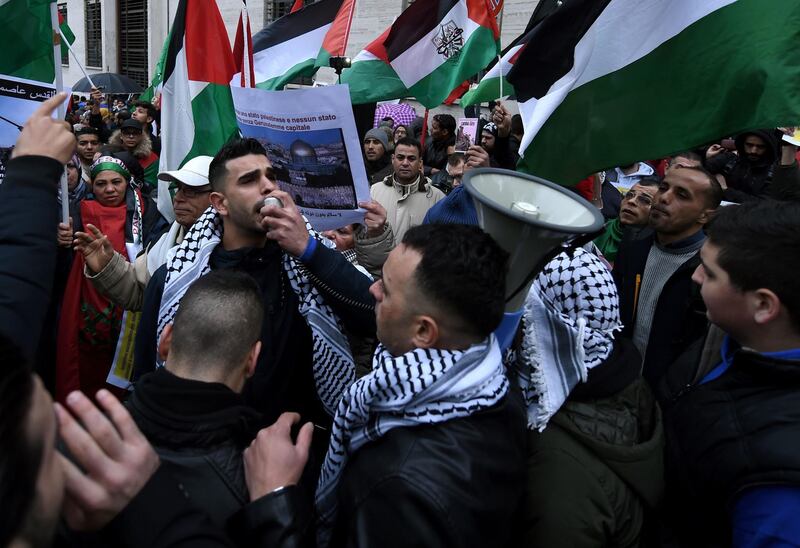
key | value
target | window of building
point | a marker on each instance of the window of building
(275, 9)
(133, 40)
(62, 11)
(94, 34)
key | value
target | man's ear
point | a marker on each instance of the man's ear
(252, 359)
(426, 333)
(165, 342)
(219, 202)
(766, 306)
(706, 216)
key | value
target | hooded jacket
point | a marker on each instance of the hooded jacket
(747, 180)
(404, 212)
(144, 153)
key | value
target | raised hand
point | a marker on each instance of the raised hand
(114, 460)
(96, 248)
(273, 460)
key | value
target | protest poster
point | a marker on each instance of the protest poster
(19, 98)
(466, 132)
(311, 139)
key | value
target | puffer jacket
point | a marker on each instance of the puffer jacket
(595, 473)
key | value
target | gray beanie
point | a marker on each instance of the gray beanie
(379, 135)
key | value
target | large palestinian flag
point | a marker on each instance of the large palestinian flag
(298, 43)
(604, 83)
(197, 115)
(429, 50)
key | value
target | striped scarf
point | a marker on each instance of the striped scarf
(423, 386)
(333, 367)
(568, 321)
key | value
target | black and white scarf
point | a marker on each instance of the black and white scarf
(423, 386)
(568, 321)
(333, 366)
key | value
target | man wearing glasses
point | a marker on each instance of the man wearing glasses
(633, 215)
(123, 282)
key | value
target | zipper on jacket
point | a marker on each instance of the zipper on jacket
(335, 294)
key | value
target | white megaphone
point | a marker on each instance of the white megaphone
(533, 220)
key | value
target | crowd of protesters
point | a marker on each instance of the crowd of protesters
(346, 388)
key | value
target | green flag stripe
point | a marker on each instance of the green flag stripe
(215, 121)
(306, 68)
(487, 90)
(679, 96)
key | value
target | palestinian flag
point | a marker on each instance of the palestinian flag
(298, 43)
(66, 34)
(429, 50)
(27, 31)
(604, 83)
(157, 81)
(197, 115)
(494, 81)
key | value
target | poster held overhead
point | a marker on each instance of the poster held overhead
(311, 140)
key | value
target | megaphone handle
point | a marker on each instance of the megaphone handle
(578, 241)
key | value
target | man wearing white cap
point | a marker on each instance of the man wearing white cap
(123, 282)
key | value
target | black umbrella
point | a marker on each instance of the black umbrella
(108, 82)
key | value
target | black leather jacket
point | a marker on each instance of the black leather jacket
(454, 484)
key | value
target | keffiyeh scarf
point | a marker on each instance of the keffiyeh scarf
(423, 386)
(333, 367)
(569, 318)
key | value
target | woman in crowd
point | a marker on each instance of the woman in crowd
(90, 326)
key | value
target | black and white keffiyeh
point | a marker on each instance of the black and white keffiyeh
(423, 386)
(569, 318)
(333, 367)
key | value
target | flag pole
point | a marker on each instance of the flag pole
(424, 129)
(75, 57)
(61, 110)
(500, 64)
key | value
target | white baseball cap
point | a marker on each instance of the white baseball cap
(193, 173)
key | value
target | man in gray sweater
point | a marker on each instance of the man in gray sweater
(660, 306)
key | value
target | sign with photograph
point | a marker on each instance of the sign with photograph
(466, 133)
(311, 140)
(19, 99)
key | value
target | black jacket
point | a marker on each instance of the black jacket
(747, 180)
(379, 169)
(737, 431)
(199, 430)
(283, 380)
(454, 484)
(435, 154)
(29, 215)
(679, 318)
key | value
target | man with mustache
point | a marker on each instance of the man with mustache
(660, 306)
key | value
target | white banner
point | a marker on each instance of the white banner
(311, 139)
(19, 99)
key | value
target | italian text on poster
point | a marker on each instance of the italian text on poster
(311, 139)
